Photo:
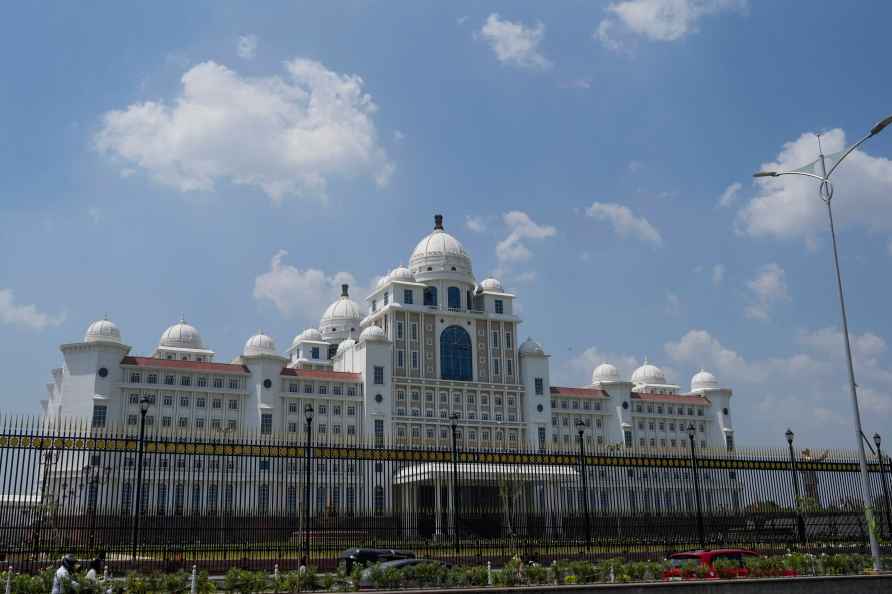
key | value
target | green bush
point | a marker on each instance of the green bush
(241, 581)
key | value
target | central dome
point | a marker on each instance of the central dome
(440, 253)
(648, 374)
(181, 335)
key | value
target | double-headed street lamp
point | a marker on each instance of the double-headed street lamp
(701, 532)
(825, 190)
(456, 498)
(800, 523)
(308, 414)
(877, 440)
(580, 426)
(144, 404)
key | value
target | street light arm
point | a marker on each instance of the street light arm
(851, 148)
(780, 173)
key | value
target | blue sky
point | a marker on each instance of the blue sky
(233, 166)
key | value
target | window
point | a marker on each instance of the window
(374, 305)
(627, 437)
(199, 423)
(215, 424)
(233, 383)
(323, 409)
(131, 419)
(217, 403)
(185, 380)
(500, 306)
(314, 352)
(202, 382)
(399, 359)
(169, 380)
(184, 402)
(495, 340)
(379, 375)
(379, 437)
(99, 416)
(729, 442)
(413, 331)
(386, 297)
(337, 389)
(508, 340)
(351, 390)
(266, 424)
(230, 424)
(165, 421)
(135, 378)
(414, 359)
(323, 388)
(453, 297)
(430, 296)
(308, 388)
(200, 402)
(399, 330)
(407, 296)
(539, 386)
(495, 367)
(152, 378)
(182, 422)
(233, 404)
(167, 400)
(292, 387)
(351, 411)
(218, 383)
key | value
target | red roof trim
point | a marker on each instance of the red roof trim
(578, 392)
(185, 365)
(676, 398)
(343, 376)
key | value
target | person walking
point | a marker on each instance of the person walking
(63, 580)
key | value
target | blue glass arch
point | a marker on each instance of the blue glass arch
(456, 357)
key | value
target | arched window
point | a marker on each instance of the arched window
(455, 354)
(453, 297)
(430, 295)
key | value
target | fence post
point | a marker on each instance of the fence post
(700, 531)
(800, 523)
(488, 574)
(580, 425)
(456, 499)
(876, 440)
(193, 587)
(9, 580)
(308, 413)
(143, 409)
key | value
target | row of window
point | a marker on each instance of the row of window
(576, 404)
(295, 407)
(670, 410)
(182, 422)
(652, 426)
(168, 399)
(444, 414)
(322, 389)
(431, 433)
(587, 421)
(471, 397)
(201, 381)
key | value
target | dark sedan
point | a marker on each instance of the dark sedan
(369, 556)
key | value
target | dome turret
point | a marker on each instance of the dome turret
(259, 344)
(440, 255)
(491, 284)
(373, 334)
(181, 335)
(103, 330)
(531, 347)
(703, 380)
(341, 319)
(605, 372)
(401, 273)
(345, 344)
(648, 374)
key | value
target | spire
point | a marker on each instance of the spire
(438, 222)
(344, 290)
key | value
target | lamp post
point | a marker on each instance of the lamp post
(876, 441)
(308, 413)
(144, 403)
(580, 427)
(825, 190)
(701, 536)
(800, 524)
(453, 419)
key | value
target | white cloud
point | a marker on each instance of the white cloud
(475, 224)
(624, 222)
(25, 315)
(577, 83)
(302, 294)
(729, 196)
(285, 135)
(767, 288)
(577, 371)
(789, 206)
(658, 20)
(673, 305)
(515, 43)
(807, 391)
(247, 46)
(718, 274)
(513, 249)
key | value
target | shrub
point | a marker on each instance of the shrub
(245, 582)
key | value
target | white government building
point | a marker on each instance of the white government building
(431, 342)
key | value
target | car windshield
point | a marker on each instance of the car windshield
(681, 561)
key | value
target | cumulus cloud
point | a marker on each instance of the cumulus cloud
(729, 196)
(247, 46)
(475, 224)
(27, 316)
(658, 20)
(789, 207)
(805, 390)
(515, 43)
(302, 294)
(624, 222)
(521, 228)
(768, 287)
(285, 135)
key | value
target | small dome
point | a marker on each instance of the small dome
(345, 344)
(401, 273)
(491, 284)
(531, 347)
(648, 374)
(181, 335)
(259, 344)
(103, 330)
(703, 380)
(440, 252)
(342, 312)
(308, 334)
(605, 372)
(382, 281)
(373, 334)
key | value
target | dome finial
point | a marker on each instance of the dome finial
(438, 222)
(182, 318)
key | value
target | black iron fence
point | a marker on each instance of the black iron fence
(255, 500)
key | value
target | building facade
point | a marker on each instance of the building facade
(430, 344)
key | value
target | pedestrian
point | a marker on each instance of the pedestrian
(63, 580)
(96, 574)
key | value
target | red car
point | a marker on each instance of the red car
(682, 564)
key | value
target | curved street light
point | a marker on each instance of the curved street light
(825, 191)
